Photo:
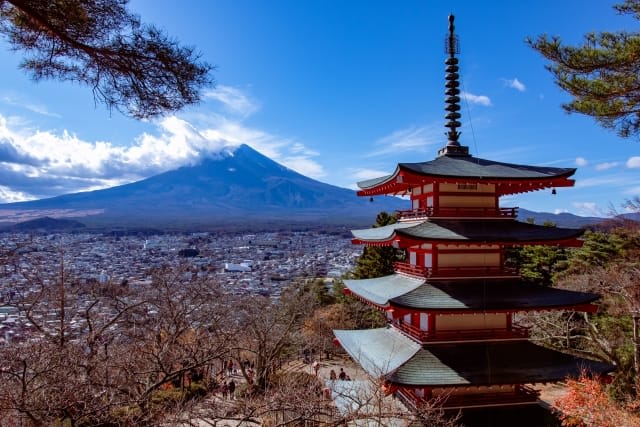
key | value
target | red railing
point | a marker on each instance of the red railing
(473, 271)
(448, 272)
(410, 269)
(515, 332)
(521, 395)
(462, 212)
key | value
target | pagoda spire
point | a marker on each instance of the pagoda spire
(452, 47)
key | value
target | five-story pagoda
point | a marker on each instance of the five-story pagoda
(451, 304)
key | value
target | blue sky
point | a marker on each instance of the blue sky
(337, 90)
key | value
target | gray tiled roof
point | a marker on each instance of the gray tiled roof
(508, 362)
(488, 294)
(384, 232)
(470, 294)
(473, 168)
(475, 230)
(387, 353)
(378, 351)
(381, 289)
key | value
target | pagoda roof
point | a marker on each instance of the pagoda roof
(387, 353)
(382, 289)
(455, 168)
(465, 230)
(401, 291)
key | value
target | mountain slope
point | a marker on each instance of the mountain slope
(241, 184)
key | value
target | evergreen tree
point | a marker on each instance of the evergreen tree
(377, 261)
(538, 264)
(601, 75)
(599, 249)
(321, 294)
(130, 66)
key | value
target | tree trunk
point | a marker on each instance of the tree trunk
(636, 346)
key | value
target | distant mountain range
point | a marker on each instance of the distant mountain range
(241, 189)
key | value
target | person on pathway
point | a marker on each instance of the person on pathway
(224, 389)
(232, 389)
(332, 375)
(342, 375)
(316, 367)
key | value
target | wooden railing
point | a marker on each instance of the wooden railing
(462, 212)
(410, 269)
(448, 272)
(522, 395)
(515, 332)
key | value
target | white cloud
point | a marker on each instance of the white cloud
(364, 174)
(604, 181)
(515, 84)
(581, 161)
(234, 100)
(409, 139)
(632, 191)
(304, 165)
(8, 196)
(476, 99)
(633, 162)
(16, 101)
(299, 148)
(45, 163)
(588, 209)
(606, 165)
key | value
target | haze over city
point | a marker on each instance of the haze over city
(338, 91)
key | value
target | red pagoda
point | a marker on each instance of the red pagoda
(451, 304)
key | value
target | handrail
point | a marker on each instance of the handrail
(457, 212)
(445, 272)
(521, 394)
(515, 332)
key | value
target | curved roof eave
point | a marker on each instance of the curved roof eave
(477, 168)
(500, 231)
(375, 182)
(380, 290)
(379, 351)
(494, 363)
(381, 234)
(483, 295)
(489, 231)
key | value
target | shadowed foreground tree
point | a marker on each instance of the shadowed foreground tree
(601, 75)
(130, 66)
(299, 399)
(267, 331)
(108, 353)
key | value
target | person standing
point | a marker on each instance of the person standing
(224, 389)
(232, 389)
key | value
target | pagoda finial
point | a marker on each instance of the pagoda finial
(452, 47)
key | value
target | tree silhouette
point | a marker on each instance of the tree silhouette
(601, 75)
(132, 67)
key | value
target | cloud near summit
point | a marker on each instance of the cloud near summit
(37, 164)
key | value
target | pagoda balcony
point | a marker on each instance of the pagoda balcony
(499, 334)
(523, 395)
(451, 272)
(462, 212)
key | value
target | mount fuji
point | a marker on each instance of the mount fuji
(239, 188)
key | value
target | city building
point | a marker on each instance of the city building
(452, 304)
